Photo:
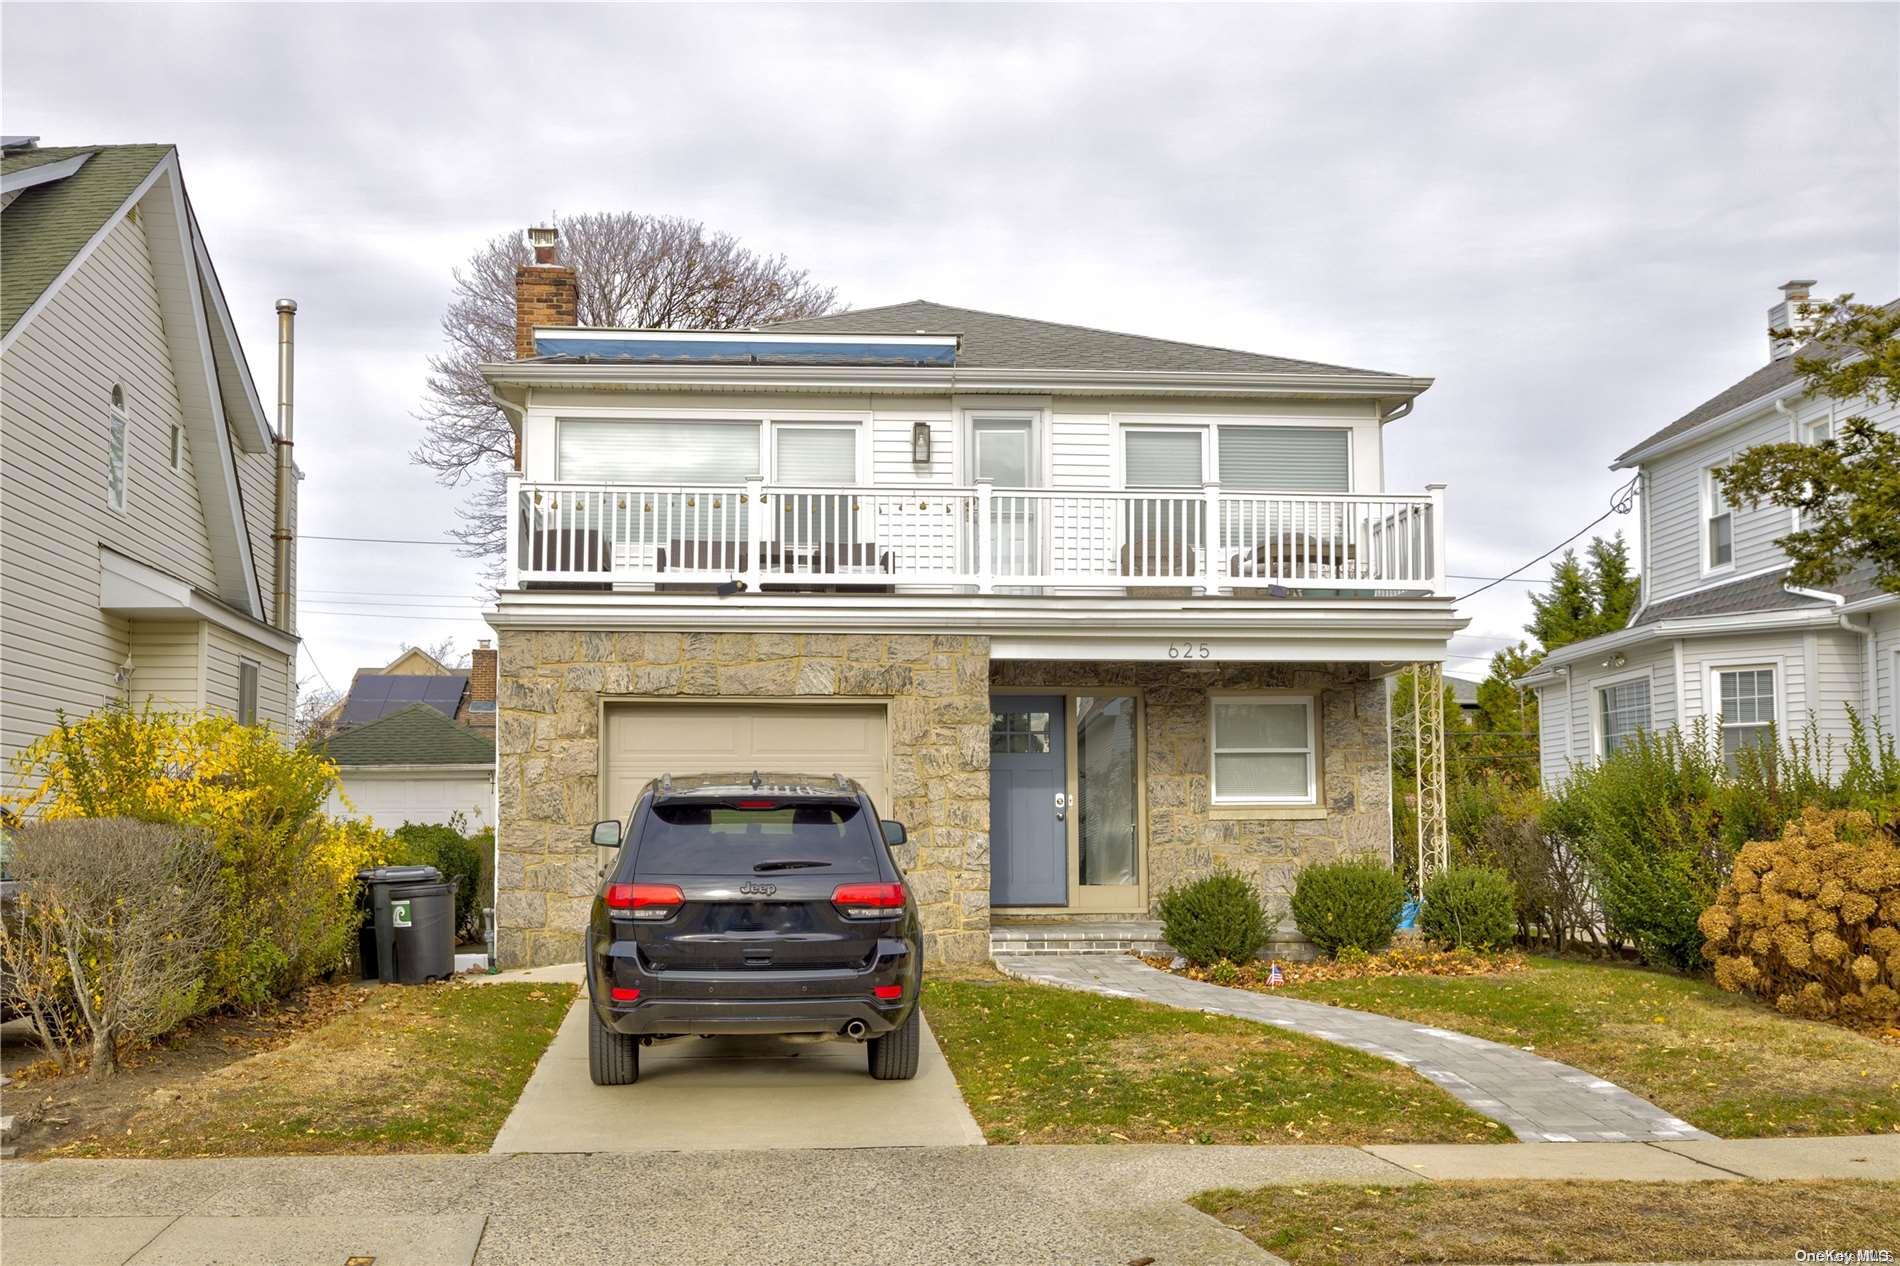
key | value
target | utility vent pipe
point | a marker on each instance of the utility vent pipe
(282, 533)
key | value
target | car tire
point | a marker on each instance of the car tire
(893, 1057)
(613, 1059)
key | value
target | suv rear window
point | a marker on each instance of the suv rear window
(685, 837)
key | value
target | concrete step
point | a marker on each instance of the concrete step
(1139, 936)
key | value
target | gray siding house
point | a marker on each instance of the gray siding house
(1719, 633)
(137, 559)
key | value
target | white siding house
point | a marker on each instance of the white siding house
(1718, 634)
(135, 533)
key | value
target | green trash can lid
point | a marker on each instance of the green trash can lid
(400, 875)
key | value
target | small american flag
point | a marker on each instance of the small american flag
(1275, 976)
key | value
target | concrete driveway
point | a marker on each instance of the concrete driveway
(722, 1094)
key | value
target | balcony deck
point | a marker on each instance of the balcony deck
(976, 539)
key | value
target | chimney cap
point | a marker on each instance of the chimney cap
(482, 643)
(543, 238)
(287, 305)
(1797, 289)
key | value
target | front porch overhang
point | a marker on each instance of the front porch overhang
(1024, 627)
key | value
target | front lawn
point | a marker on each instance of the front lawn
(1355, 1225)
(1725, 1064)
(425, 1068)
(1044, 1065)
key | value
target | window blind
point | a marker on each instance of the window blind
(1285, 459)
(657, 452)
(817, 455)
(1162, 459)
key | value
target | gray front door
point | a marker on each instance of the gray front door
(1029, 837)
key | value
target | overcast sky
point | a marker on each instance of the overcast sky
(1573, 217)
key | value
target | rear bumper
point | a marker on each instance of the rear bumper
(752, 1002)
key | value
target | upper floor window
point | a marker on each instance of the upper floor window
(1718, 525)
(1819, 430)
(811, 456)
(1623, 712)
(1264, 750)
(177, 447)
(1745, 700)
(1241, 458)
(646, 451)
(117, 426)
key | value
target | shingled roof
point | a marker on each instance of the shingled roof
(993, 341)
(417, 735)
(46, 225)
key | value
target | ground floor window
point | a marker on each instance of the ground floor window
(1623, 712)
(1745, 700)
(1263, 750)
(247, 693)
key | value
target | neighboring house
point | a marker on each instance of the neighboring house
(417, 676)
(137, 551)
(413, 765)
(1091, 613)
(1718, 633)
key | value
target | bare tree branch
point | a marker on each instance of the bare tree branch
(640, 271)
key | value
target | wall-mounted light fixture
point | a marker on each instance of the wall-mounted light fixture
(1616, 661)
(920, 443)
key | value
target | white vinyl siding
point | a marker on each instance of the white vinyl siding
(1622, 713)
(1262, 749)
(1284, 458)
(1170, 458)
(1081, 451)
(165, 656)
(641, 451)
(225, 653)
(891, 451)
(103, 326)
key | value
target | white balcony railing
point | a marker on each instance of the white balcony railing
(978, 538)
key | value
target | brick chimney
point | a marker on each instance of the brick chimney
(546, 292)
(481, 687)
(1785, 316)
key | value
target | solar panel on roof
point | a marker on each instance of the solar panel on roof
(375, 697)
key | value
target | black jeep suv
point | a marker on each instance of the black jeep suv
(750, 903)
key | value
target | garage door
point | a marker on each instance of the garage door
(649, 739)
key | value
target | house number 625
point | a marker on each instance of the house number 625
(1189, 650)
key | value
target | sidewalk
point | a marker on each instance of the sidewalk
(893, 1206)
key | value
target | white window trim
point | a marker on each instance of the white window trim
(119, 415)
(1209, 426)
(1893, 691)
(860, 451)
(1311, 702)
(257, 690)
(971, 418)
(1712, 704)
(1597, 688)
(1707, 507)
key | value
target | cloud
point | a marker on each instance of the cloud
(1572, 216)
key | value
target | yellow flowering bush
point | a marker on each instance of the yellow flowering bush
(287, 869)
(1811, 922)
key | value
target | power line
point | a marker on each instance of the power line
(1620, 502)
(377, 540)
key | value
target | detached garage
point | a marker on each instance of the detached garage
(645, 740)
(414, 765)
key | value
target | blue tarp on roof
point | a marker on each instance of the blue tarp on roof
(740, 350)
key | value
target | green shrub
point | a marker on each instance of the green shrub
(289, 912)
(1469, 907)
(1348, 905)
(1214, 918)
(460, 858)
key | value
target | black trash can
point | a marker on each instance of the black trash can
(408, 932)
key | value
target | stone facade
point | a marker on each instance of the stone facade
(1186, 839)
(553, 684)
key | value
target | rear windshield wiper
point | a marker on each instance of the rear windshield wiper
(790, 863)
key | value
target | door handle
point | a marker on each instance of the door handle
(1062, 805)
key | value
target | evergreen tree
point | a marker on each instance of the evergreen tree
(1588, 597)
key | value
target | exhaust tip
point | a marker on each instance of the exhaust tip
(854, 1029)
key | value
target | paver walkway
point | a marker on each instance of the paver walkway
(1541, 1100)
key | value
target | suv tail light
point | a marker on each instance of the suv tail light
(868, 901)
(644, 901)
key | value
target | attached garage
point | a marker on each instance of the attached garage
(645, 740)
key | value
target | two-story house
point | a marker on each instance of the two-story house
(1091, 613)
(144, 556)
(1719, 634)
